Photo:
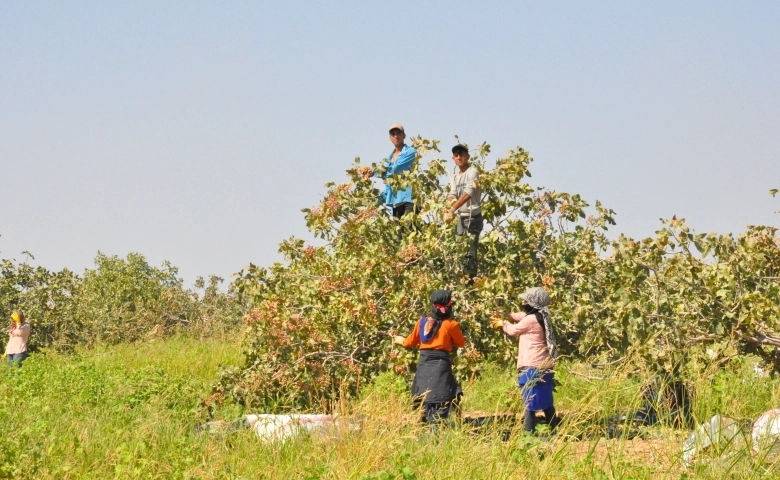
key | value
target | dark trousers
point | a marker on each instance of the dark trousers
(530, 418)
(402, 209)
(399, 211)
(472, 225)
(436, 412)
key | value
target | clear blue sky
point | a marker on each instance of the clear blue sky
(195, 132)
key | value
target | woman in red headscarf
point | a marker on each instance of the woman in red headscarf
(437, 334)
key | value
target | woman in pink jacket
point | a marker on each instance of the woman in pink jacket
(16, 350)
(537, 351)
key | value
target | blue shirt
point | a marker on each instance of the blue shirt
(401, 164)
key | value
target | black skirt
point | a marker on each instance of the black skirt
(434, 381)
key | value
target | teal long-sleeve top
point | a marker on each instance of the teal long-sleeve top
(402, 163)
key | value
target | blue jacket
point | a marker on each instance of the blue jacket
(401, 164)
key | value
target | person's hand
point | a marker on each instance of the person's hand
(398, 340)
(449, 217)
(497, 322)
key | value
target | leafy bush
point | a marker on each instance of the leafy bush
(682, 300)
(125, 299)
(321, 321)
(46, 297)
(119, 300)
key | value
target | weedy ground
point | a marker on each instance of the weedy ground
(129, 412)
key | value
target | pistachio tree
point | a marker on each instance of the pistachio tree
(119, 300)
(46, 297)
(322, 319)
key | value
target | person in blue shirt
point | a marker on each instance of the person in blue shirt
(400, 160)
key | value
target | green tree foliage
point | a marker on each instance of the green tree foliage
(46, 297)
(121, 299)
(682, 296)
(126, 299)
(321, 320)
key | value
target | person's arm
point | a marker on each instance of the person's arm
(23, 331)
(517, 316)
(404, 161)
(379, 173)
(459, 203)
(412, 340)
(519, 328)
(457, 335)
(468, 191)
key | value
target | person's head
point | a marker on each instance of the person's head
(460, 154)
(536, 298)
(397, 135)
(17, 317)
(441, 301)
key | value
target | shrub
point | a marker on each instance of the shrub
(321, 321)
(125, 299)
(46, 297)
(121, 299)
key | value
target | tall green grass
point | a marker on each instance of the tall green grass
(129, 411)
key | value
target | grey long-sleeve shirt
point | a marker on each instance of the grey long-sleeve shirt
(466, 182)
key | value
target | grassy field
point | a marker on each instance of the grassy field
(130, 411)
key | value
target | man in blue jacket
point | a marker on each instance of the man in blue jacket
(400, 160)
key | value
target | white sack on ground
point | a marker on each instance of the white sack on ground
(718, 433)
(766, 435)
(280, 427)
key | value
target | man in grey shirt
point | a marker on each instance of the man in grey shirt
(464, 198)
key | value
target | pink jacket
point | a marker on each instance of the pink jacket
(17, 340)
(532, 348)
